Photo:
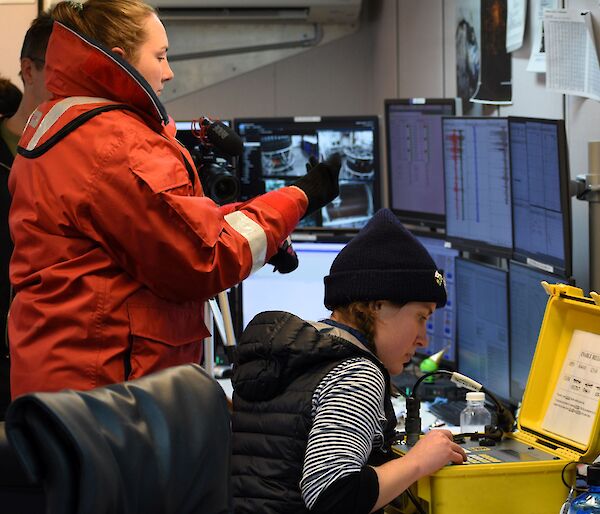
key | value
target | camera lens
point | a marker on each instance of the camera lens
(219, 184)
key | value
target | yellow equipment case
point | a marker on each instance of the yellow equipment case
(558, 424)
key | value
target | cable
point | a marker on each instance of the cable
(562, 474)
(415, 502)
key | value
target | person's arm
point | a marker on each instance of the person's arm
(348, 405)
(430, 454)
(186, 247)
(347, 417)
(182, 247)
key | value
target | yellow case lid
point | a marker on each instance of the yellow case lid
(561, 399)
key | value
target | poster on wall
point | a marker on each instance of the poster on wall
(495, 83)
(467, 42)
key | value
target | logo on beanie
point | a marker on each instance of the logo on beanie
(439, 278)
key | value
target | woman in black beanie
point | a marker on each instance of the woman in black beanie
(313, 421)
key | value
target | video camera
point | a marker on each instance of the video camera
(219, 146)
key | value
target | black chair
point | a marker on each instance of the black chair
(17, 494)
(156, 445)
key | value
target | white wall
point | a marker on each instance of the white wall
(14, 22)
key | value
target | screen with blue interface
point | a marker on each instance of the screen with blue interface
(482, 325)
(441, 327)
(300, 292)
(415, 158)
(540, 192)
(528, 301)
(276, 151)
(477, 183)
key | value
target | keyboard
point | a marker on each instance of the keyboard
(448, 412)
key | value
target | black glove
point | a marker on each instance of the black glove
(285, 260)
(320, 184)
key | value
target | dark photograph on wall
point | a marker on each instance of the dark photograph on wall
(467, 43)
(495, 85)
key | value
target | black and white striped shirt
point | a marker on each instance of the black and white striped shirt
(348, 420)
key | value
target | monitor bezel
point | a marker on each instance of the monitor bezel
(333, 120)
(530, 258)
(476, 246)
(418, 219)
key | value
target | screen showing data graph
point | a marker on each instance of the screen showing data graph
(477, 183)
(414, 156)
(540, 193)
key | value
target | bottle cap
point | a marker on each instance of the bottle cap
(476, 397)
(593, 474)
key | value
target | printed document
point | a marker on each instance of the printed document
(572, 65)
(572, 410)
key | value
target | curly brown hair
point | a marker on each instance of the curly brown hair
(362, 316)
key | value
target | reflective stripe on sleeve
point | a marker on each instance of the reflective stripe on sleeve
(253, 233)
(56, 112)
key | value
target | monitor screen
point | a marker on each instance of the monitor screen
(441, 327)
(415, 158)
(528, 301)
(477, 184)
(276, 151)
(540, 194)
(300, 292)
(482, 325)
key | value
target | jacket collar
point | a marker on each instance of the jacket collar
(79, 66)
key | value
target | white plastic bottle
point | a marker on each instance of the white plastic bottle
(475, 416)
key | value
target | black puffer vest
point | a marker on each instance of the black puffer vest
(281, 360)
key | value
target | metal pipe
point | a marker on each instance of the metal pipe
(593, 198)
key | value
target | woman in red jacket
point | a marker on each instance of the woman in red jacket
(116, 247)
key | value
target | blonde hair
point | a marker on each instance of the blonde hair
(113, 23)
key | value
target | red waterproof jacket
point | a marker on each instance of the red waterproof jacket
(116, 248)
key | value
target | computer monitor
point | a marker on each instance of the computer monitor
(540, 194)
(441, 327)
(276, 151)
(300, 292)
(477, 184)
(528, 301)
(415, 155)
(482, 325)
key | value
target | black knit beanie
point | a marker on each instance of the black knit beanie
(384, 261)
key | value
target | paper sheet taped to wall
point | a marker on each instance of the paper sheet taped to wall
(572, 65)
(573, 407)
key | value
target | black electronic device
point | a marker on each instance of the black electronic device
(477, 184)
(415, 164)
(541, 202)
(301, 292)
(214, 146)
(483, 325)
(441, 326)
(276, 151)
